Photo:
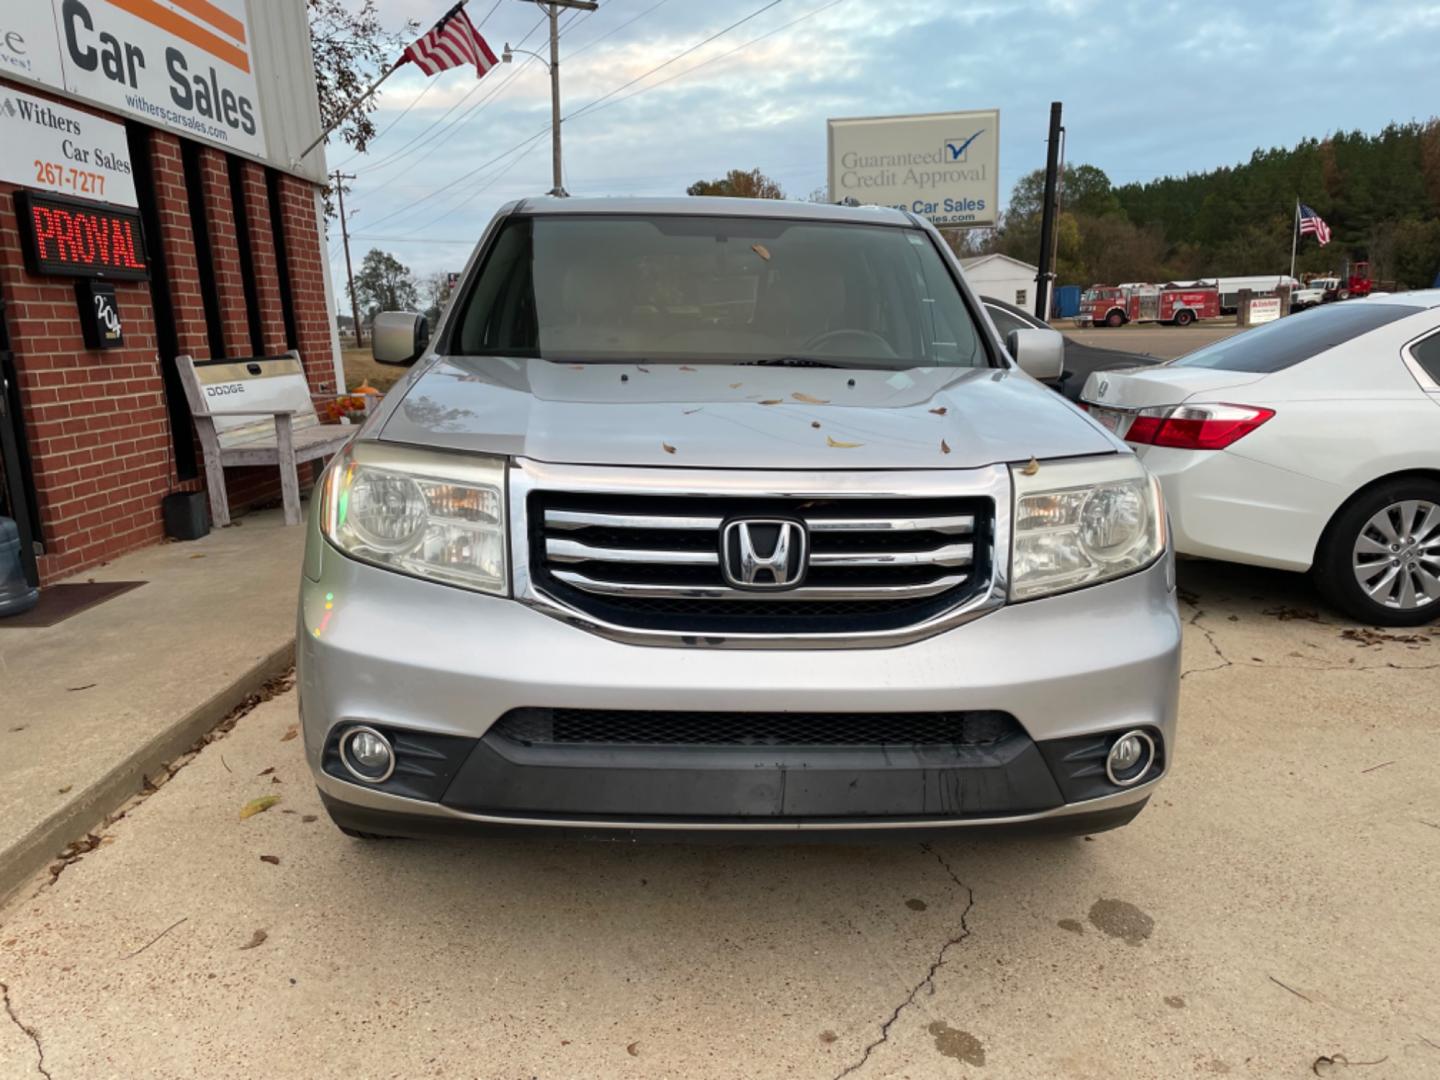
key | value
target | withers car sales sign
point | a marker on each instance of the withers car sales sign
(60, 149)
(941, 166)
(179, 64)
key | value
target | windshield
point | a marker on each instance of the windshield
(1278, 345)
(612, 288)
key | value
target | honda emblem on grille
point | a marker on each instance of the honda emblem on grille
(764, 553)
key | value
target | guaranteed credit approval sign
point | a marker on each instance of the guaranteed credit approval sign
(941, 166)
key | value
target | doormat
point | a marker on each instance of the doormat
(59, 602)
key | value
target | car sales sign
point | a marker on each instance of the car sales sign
(179, 64)
(941, 166)
(56, 148)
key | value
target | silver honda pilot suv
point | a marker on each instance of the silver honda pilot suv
(711, 514)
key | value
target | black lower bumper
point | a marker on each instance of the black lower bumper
(733, 786)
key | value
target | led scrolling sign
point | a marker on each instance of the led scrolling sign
(68, 237)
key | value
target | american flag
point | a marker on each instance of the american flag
(1312, 224)
(451, 42)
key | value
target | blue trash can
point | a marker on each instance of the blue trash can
(17, 595)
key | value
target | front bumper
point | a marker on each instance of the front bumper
(443, 664)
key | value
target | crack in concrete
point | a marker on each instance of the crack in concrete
(1209, 634)
(28, 1030)
(928, 982)
(1226, 662)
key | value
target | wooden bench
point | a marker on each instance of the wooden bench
(257, 411)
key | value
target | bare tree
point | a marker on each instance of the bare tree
(351, 48)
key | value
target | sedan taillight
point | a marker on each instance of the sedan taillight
(1195, 427)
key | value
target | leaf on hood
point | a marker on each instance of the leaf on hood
(944, 447)
(273, 860)
(941, 411)
(256, 940)
(258, 806)
(577, 367)
(761, 250)
(815, 423)
(687, 367)
(1031, 467)
(736, 385)
(772, 401)
(667, 448)
(639, 367)
(692, 412)
(810, 400)
(830, 440)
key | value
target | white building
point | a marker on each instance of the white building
(1003, 278)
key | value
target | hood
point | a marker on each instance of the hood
(1162, 385)
(724, 416)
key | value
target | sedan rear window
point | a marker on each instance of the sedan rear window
(1279, 345)
(717, 289)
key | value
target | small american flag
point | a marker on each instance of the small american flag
(1312, 224)
(451, 42)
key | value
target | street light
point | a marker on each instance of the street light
(552, 9)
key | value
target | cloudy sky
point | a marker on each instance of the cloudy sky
(1149, 88)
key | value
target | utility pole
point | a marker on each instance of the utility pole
(340, 179)
(552, 9)
(1047, 218)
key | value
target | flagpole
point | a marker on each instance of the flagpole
(1294, 239)
(352, 107)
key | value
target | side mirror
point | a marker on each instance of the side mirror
(1040, 353)
(399, 337)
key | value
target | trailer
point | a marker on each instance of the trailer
(1116, 305)
(1229, 288)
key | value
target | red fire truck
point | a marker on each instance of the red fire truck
(1115, 305)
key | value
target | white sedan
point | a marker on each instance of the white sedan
(1308, 444)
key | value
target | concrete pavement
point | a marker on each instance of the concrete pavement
(1271, 914)
(92, 705)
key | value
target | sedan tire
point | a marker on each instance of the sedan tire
(1379, 561)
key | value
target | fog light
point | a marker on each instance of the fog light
(1130, 758)
(367, 755)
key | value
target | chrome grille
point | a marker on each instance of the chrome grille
(653, 562)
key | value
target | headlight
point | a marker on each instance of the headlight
(1082, 522)
(430, 515)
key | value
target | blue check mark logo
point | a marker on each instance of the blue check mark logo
(957, 151)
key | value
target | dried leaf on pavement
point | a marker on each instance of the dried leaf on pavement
(830, 440)
(258, 806)
(633, 1049)
(266, 772)
(273, 860)
(309, 818)
(256, 940)
(290, 733)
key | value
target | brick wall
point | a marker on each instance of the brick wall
(96, 421)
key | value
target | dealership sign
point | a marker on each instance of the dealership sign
(60, 149)
(941, 166)
(179, 64)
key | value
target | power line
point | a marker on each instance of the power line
(596, 41)
(715, 59)
(400, 155)
(545, 130)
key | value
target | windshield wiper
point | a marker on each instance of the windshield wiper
(788, 361)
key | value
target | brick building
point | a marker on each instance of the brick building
(93, 117)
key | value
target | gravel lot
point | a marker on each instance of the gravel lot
(1271, 914)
